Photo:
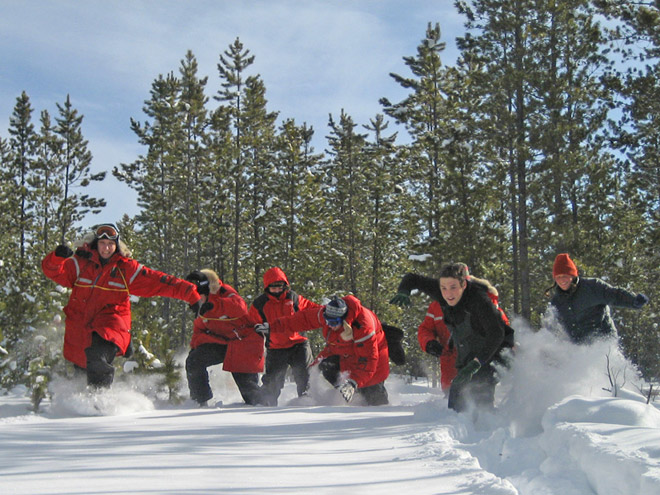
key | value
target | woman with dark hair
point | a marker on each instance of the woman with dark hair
(103, 276)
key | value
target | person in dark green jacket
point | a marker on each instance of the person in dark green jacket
(583, 304)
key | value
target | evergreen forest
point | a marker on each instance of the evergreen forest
(543, 137)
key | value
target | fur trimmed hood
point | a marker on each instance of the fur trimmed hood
(87, 242)
(486, 284)
(214, 280)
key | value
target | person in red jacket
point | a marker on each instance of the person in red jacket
(433, 337)
(223, 332)
(355, 357)
(284, 350)
(103, 276)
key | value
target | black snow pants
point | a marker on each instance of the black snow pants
(299, 357)
(480, 391)
(205, 355)
(100, 355)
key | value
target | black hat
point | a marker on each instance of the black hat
(200, 280)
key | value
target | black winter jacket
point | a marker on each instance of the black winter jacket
(584, 308)
(476, 326)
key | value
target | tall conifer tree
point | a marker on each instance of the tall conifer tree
(231, 68)
(421, 113)
(76, 160)
(345, 222)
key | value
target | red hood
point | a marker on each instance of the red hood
(354, 307)
(273, 275)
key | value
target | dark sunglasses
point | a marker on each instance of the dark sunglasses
(106, 231)
(277, 285)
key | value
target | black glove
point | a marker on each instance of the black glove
(207, 306)
(63, 251)
(83, 253)
(434, 348)
(200, 280)
(347, 389)
(640, 301)
(195, 308)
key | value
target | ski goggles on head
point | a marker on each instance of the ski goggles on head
(106, 231)
(333, 322)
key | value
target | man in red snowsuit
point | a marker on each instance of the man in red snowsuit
(356, 357)
(284, 349)
(223, 333)
(103, 276)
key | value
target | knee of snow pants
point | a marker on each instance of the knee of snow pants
(197, 361)
(329, 367)
(100, 355)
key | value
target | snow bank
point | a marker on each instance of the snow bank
(612, 442)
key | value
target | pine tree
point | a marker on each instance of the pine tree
(451, 162)
(381, 211)
(634, 37)
(20, 315)
(295, 240)
(76, 160)
(23, 142)
(503, 44)
(48, 180)
(259, 140)
(420, 113)
(161, 182)
(218, 243)
(231, 68)
(196, 167)
(345, 224)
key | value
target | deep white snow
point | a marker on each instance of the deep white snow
(556, 431)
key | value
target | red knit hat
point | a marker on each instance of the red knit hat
(564, 266)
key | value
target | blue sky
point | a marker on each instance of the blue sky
(316, 58)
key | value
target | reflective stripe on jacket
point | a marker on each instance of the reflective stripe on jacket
(100, 297)
(360, 343)
(228, 323)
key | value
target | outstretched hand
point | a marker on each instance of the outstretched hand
(434, 348)
(401, 299)
(207, 306)
(63, 251)
(195, 308)
(640, 300)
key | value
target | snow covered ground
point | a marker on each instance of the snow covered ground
(556, 431)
